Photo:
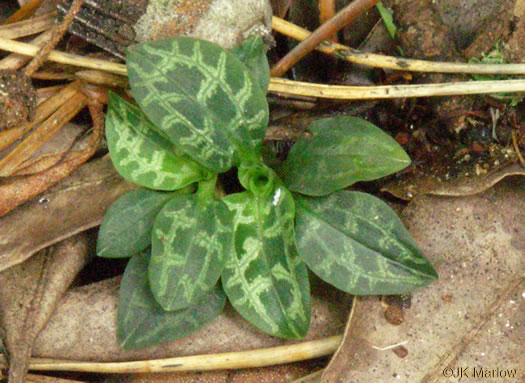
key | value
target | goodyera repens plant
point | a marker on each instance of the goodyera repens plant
(202, 111)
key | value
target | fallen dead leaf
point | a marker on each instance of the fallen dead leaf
(28, 295)
(70, 207)
(16, 190)
(476, 244)
(84, 328)
(461, 186)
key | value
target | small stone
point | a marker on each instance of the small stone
(400, 351)
(394, 315)
(224, 22)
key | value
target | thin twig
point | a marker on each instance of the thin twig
(326, 12)
(389, 62)
(224, 361)
(332, 26)
(298, 88)
(517, 149)
(58, 33)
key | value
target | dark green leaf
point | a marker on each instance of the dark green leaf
(355, 242)
(142, 155)
(200, 96)
(264, 278)
(252, 54)
(342, 151)
(191, 239)
(127, 224)
(142, 322)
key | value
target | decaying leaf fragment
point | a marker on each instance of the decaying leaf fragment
(462, 186)
(28, 295)
(72, 206)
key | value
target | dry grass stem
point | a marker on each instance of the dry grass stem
(16, 61)
(389, 62)
(61, 57)
(28, 27)
(102, 78)
(42, 94)
(225, 361)
(298, 88)
(42, 133)
(58, 32)
(53, 76)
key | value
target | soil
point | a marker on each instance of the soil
(17, 99)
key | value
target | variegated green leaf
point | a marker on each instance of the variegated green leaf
(341, 151)
(142, 322)
(258, 178)
(126, 228)
(252, 54)
(191, 239)
(355, 242)
(202, 97)
(142, 155)
(264, 278)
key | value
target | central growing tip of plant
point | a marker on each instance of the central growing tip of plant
(201, 111)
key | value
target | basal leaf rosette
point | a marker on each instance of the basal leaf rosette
(264, 278)
(202, 97)
(355, 242)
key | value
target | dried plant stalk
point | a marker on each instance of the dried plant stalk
(231, 360)
(298, 88)
(396, 63)
(42, 134)
(28, 27)
(43, 111)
